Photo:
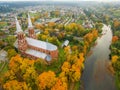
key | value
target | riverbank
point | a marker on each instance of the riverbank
(95, 75)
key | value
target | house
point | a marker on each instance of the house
(87, 24)
(30, 47)
(55, 20)
(65, 43)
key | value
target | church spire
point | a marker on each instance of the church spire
(18, 27)
(30, 28)
(22, 43)
(29, 22)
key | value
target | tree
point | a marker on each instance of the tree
(88, 37)
(44, 37)
(117, 33)
(39, 26)
(46, 32)
(73, 65)
(1, 43)
(74, 48)
(66, 67)
(21, 69)
(95, 34)
(10, 40)
(116, 24)
(51, 24)
(114, 58)
(15, 85)
(46, 80)
(11, 53)
(60, 85)
(114, 39)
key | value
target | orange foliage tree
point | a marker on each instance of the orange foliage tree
(21, 69)
(114, 39)
(15, 85)
(60, 85)
(73, 65)
(51, 24)
(89, 39)
(46, 80)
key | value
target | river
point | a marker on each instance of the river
(96, 75)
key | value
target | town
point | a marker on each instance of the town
(49, 45)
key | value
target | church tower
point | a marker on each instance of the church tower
(22, 43)
(30, 28)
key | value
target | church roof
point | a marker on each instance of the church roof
(41, 44)
(36, 53)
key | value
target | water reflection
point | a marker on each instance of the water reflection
(95, 75)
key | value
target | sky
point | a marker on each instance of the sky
(63, 0)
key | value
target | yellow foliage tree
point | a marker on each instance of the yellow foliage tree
(114, 58)
(15, 85)
(73, 66)
(51, 24)
(60, 85)
(46, 80)
(43, 37)
(67, 50)
(21, 69)
(66, 67)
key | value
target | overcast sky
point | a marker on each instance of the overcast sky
(61, 0)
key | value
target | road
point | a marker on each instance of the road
(96, 75)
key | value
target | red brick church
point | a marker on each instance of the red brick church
(31, 47)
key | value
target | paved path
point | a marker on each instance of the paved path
(96, 75)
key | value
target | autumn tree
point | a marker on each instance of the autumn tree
(1, 44)
(60, 85)
(116, 24)
(51, 24)
(21, 69)
(114, 39)
(89, 39)
(114, 58)
(46, 80)
(39, 26)
(73, 66)
(11, 53)
(15, 85)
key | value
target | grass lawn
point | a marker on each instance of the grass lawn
(5, 68)
(54, 66)
(117, 79)
(79, 21)
(34, 14)
(77, 85)
(1, 65)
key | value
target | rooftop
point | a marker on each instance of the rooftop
(41, 44)
(36, 53)
(54, 20)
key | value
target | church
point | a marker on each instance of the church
(32, 48)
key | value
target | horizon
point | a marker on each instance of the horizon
(58, 0)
